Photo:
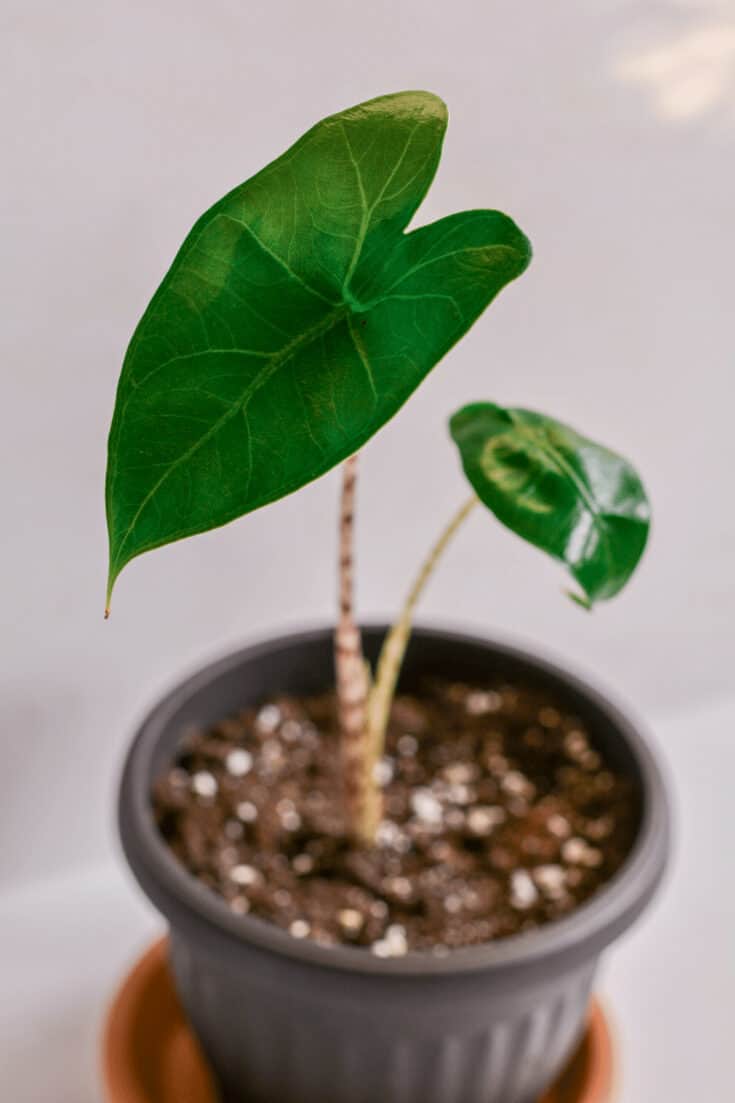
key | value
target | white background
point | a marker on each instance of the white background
(606, 129)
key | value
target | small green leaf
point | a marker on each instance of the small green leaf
(574, 499)
(296, 319)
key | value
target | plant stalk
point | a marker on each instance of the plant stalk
(362, 797)
(395, 643)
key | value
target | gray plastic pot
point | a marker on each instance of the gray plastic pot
(288, 1021)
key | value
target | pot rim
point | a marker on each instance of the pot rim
(193, 908)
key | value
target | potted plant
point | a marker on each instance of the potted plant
(371, 896)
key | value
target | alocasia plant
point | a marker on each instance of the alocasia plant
(296, 319)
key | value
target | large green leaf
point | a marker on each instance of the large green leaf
(578, 501)
(294, 322)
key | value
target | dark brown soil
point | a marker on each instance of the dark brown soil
(499, 816)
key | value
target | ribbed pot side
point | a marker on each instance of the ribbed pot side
(287, 1020)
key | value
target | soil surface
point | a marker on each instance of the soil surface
(500, 815)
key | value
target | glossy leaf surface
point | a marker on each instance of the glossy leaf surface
(574, 499)
(294, 322)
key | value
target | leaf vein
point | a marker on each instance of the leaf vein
(278, 360)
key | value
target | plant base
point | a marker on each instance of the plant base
(500, 815)
(151, 1056)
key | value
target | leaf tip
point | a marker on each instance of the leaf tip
(108, 596)
(582, 600)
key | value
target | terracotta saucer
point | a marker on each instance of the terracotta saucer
(151, 1056)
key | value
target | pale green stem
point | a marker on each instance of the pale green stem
(394, 646)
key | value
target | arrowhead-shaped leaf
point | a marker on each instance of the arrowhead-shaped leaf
(578, 501)
(294, 322)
